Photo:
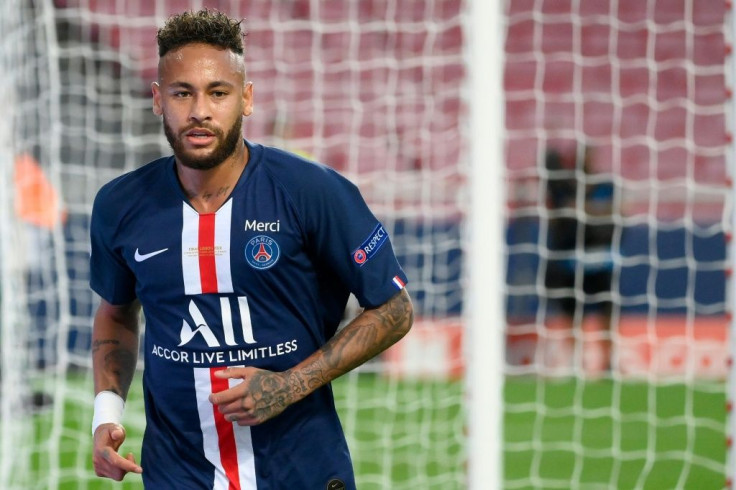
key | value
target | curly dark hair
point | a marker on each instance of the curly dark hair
(205, 26)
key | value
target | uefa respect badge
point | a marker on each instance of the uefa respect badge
(371, 245)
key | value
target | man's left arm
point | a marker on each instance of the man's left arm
(265, 394)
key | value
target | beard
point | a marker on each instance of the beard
(226, 146)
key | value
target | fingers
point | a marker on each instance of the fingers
(242, 404)
(231, 372)
(257, 396)
(248, 420)
(108, 463)
(126, 464)
(236, 406)
(242, 408)
(241, 416)
(106, 460)
(109, 435)
(225, 397)
(117, 434)
(231, 395)
(134, 467)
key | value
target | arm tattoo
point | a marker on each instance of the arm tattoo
(99, 343)
(119, 362)
(272, 394)
(368, 335)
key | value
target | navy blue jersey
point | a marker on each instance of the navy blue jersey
(262, 282)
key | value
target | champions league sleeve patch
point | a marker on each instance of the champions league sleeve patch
(370, 246)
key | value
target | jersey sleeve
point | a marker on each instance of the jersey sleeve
(343, 234)
(110, 277)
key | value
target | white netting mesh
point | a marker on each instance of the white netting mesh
(626, 400)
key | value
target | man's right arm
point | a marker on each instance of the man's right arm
(114, 357)
(115, 346)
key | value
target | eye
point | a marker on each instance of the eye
(181, 94)
(219, 94)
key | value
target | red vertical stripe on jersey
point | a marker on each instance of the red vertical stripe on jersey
(207, 267)
(225, 434)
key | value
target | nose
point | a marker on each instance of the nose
(200, 110)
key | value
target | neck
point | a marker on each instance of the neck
(208, 190)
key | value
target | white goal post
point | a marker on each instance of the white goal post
(485, 264)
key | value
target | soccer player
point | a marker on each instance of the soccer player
(241, 258)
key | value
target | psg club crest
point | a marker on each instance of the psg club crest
(262, 252)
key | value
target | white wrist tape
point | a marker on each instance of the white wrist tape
(108, 409)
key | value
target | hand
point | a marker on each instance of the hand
(107, 462)
(262, 395)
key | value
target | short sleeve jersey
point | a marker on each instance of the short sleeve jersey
(262, 282)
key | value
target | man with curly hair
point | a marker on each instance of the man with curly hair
(241, 258)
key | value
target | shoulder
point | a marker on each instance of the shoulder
(298, 174)
(135, 181)
(122, 193)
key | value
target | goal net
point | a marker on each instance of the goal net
(619, 163)
(371, 88)
(617, 286)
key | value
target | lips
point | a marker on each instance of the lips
(199, 133)
(199, 136)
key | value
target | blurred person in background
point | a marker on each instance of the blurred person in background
(579, 272)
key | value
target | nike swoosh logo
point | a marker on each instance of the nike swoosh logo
(141, 257)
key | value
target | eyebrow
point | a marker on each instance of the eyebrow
(210, 86)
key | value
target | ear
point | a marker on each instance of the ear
(248, 99)
(156, 90)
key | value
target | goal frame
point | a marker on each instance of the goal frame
(731, 250)
(485, 266)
